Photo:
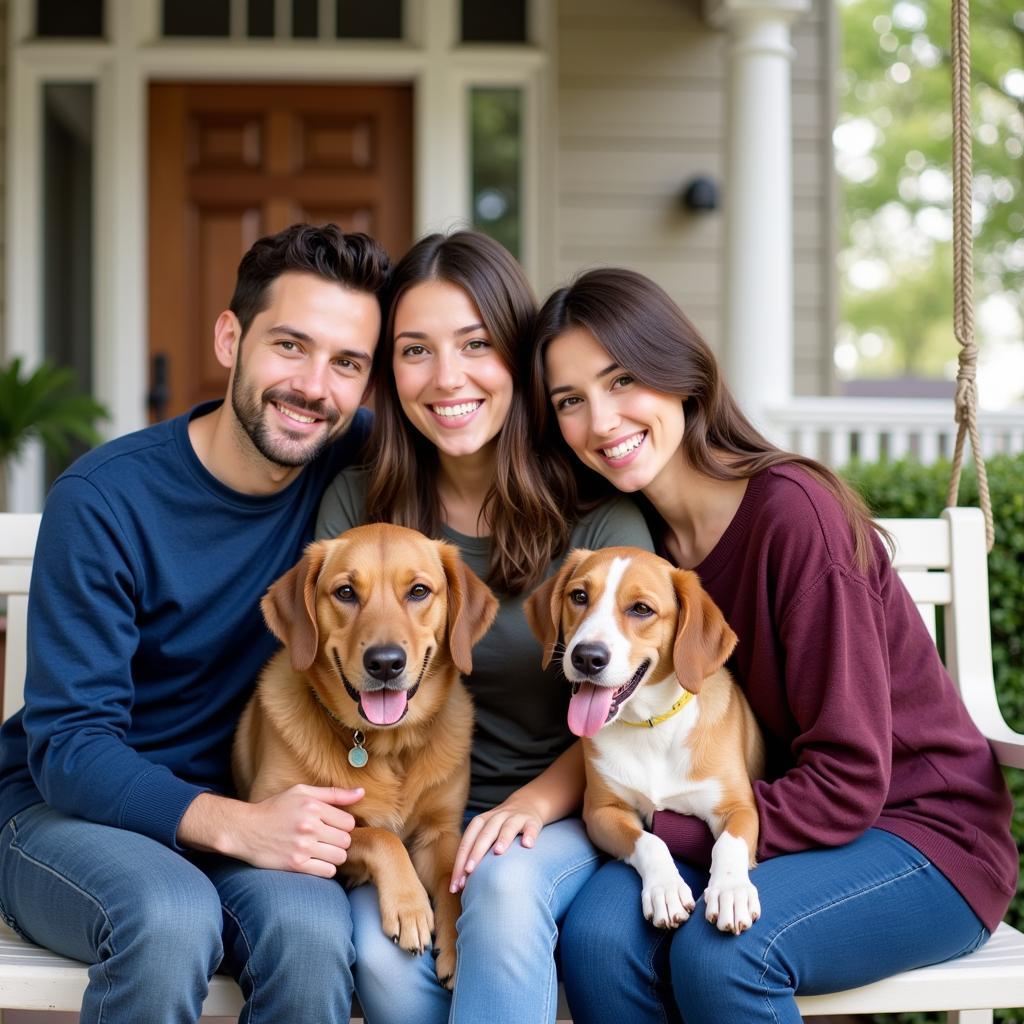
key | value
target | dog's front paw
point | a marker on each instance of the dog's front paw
(732, 904)
(444, 964)
(667, 901)
(447, 907)
(407, 918)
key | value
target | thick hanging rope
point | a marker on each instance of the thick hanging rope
(963, 269)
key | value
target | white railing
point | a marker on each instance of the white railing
(836, 429)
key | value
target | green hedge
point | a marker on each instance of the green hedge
(907, 489)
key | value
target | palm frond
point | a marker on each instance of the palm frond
(47, 405)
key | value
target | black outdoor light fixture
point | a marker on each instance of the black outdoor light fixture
(700, 194)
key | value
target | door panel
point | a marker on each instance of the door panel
(229, 163)
(219, 233)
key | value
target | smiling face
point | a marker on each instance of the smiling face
(628, 620)
(451, 382)
(618, 617)
(376, 617)
(626, 431)
(300, 372)
(385, 614)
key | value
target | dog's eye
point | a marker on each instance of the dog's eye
(345, 594)
(419, 591)
(641, 610)
(578, 596)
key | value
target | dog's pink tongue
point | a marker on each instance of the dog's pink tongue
(384, 707)
(588, 709)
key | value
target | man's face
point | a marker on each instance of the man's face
(301, 370)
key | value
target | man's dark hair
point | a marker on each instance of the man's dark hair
(355, 261)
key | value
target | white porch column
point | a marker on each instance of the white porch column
(759, 201)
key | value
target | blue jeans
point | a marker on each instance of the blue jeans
(830, 919)
(155, 925)
(511, 909)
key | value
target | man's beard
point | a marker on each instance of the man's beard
(251, 412)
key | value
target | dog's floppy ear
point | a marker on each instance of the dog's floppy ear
(471, 607)
(704, 639)
(289, 607)
(543, 607)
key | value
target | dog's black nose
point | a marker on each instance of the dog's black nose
(384, 662)
(590, 658)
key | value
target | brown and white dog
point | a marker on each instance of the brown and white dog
(377, 626)
(664, 725)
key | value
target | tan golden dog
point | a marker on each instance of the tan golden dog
(376, 625)
(664, 725)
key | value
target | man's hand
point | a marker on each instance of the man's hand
(302, 829)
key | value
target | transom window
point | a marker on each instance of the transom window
(494, 21)
(69, 19)
(284, 19)
(480, 21)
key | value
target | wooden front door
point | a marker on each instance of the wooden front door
(230, 163)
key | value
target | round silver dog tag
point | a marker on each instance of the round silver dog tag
(357, 756)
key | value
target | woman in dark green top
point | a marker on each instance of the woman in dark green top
(452, 454)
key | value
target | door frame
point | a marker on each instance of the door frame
(121, 66)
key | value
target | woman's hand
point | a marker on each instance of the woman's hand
(556, 792)
(495, 830)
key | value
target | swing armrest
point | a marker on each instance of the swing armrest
(944, 564)
(979, 694)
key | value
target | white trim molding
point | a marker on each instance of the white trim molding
(722, 13)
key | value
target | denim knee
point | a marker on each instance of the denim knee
(272, 914)
(508, 878)
(705, 961)
(324, 938)
(510, 888)
(170, 927)
(288, 942)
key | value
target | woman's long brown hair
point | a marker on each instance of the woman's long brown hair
(650, 337)
(529, 509)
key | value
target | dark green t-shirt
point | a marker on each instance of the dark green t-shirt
(520, 708)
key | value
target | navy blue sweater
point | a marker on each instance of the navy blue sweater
(145, 635)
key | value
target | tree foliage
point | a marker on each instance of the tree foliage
(893, 153)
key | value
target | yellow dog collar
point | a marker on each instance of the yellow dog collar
(650, 723)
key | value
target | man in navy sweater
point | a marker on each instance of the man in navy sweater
(122, 844)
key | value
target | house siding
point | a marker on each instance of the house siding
(642, 94)
(640, 110)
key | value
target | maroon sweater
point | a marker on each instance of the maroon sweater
(863, 725)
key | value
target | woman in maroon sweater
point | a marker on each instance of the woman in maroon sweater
(884, 821)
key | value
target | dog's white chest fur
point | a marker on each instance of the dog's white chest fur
(650, 768)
